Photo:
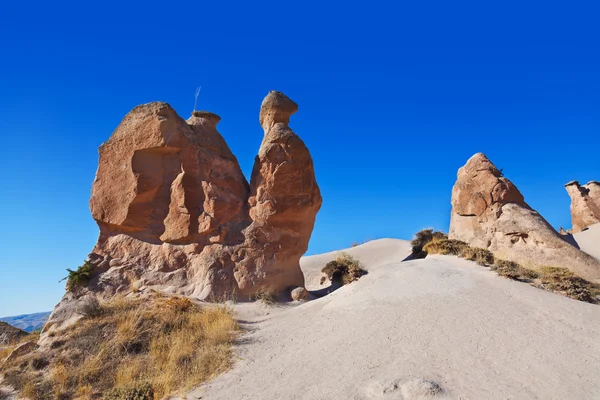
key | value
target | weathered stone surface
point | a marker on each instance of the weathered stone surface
(9, 334)
(488, 211)
(300, 294)
(21, 350)
(284, 198)
(176, 213)
(585, 204)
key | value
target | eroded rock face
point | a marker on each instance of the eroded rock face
(488, 211)
(176, 213)
(9, 334)
(585, 204)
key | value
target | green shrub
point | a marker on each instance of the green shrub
(564, 281)
(445, 247)
(423, 237)
(80, 277)
(141, 391)
(343, 270)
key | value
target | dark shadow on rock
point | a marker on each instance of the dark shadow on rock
(415, 256)
(569, 238)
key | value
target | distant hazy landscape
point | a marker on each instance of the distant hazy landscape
(27, 322)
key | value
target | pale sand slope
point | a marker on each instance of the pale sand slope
(443, 319)
(589, 241)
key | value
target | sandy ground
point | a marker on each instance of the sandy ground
(440, 328)
(589, 241)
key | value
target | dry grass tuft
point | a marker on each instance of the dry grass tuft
(422, 238)
(445, 247)
(514, 271)
(133, 349)
(343, 270)
(482, 257)
(563, 281)
(266, 296)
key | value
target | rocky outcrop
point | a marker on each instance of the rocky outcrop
(488, 211)
(585, 204)
(9, 334)
(176, 213)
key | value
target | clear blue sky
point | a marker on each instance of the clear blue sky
(393, 99)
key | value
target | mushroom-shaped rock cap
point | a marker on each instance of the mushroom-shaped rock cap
(198, 116)
(275, 108)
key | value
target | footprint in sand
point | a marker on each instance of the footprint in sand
(406, 389)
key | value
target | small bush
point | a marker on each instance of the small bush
(507, 269)
(343, 270)
(89, 307)
(564, 281)
(266, 296)
(513, 270)
(141, 391)
(80, 277)
(423, 237)
(482, 257)
(38, 363)
(445, 247)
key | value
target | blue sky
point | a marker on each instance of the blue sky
(393, 99)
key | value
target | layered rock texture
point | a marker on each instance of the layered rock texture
(488, 211)
(176, 213)
(585, 204)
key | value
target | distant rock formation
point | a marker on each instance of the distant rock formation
(176, 213)
(9, 334)
(585, 204)
(488, 211)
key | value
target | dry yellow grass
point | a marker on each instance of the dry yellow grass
(146, 349)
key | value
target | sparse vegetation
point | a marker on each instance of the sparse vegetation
(89, 307)
(513, 270)
(132, 349)
(266, 296)
(482, 257)
(343, 270)
(559, 280)
(564, 281)
(140, 391)
(422, 238)
(445, 247)
(79, 277)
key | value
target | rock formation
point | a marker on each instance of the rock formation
(585, 204)
(176, 213)
(9, 334)
(488, 211)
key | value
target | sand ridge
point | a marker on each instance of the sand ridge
(439, 328)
